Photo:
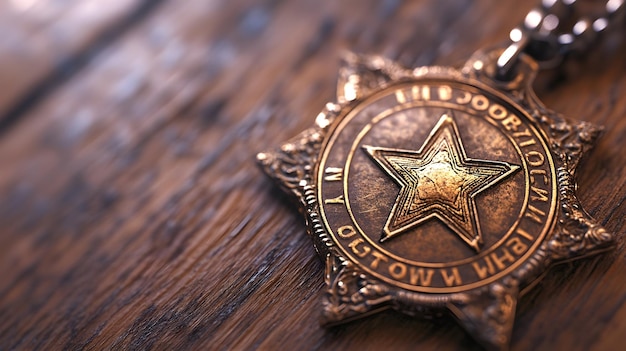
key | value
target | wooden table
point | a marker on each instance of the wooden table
(133, 214)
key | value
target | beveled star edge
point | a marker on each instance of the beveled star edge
(446, 121)
(488, 312)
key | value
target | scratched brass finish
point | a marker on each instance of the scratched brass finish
(438, 189)
(439, 181)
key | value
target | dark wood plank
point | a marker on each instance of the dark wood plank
(135, 218)
(45, 42)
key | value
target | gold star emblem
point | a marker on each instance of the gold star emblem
(438, 181)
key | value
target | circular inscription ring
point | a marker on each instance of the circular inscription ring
(437, 185)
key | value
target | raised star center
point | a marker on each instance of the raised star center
(438, 181)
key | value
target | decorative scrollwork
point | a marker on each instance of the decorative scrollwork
(292, 165)
(350, 292)
(361, 74)
(576, 233)
(489, 312)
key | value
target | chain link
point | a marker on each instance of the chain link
(552, 31)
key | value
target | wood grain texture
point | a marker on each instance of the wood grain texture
(134, 216)
(46, 42)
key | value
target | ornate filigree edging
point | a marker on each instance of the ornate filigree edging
(576, 234)
(291, 165)
(350, 292)
(487, 312)
(361, 74)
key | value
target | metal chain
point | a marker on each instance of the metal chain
(551, 31)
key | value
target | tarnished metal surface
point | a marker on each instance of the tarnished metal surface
(438, 189)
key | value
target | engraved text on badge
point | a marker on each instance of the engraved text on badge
(437, 186)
